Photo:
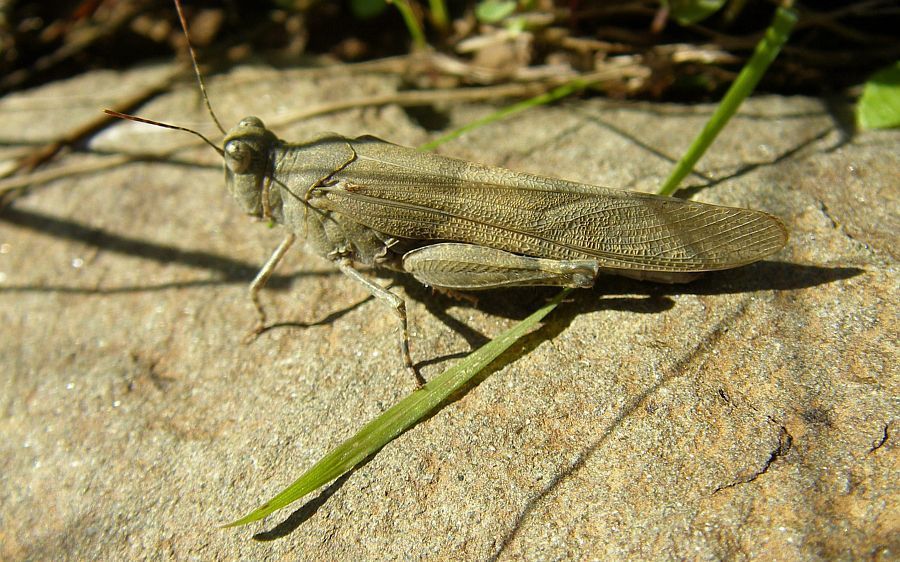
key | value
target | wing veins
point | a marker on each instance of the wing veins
(621, 258)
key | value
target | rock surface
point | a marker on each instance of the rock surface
(750, 414)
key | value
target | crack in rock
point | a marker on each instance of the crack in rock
(785, 441)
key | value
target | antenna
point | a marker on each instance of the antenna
(163, 125)
(212, 113)
(187, 36)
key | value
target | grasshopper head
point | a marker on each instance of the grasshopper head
(247, 148)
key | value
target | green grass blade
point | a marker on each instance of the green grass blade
(412, 24)
(439, 15)
(559, 92)
(687, 12)
(766, 51)
(377, 433)
(493, 11)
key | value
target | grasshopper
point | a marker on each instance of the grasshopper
(463, 226)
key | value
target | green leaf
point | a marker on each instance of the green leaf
(400, 417)
(492, 11)
(367, 9)
(879, 106)
(687, 12)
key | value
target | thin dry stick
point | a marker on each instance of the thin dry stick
(426, 97)
(13, 187)
(413, 98)
(43, 153)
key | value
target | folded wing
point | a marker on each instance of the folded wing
(387, 188)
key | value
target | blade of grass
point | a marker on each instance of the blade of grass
(377, 433)
(766, 51)
(412, 24)
(559, 92)
(439, 15)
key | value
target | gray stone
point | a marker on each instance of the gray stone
(750, 414)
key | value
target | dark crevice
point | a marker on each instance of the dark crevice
(882, 440)
(785, 442)
(428, 117)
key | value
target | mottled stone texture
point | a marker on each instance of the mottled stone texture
(750, 414)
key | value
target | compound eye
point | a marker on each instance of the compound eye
(254, 122)
(238, 156)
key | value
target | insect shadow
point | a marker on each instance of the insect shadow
(617, 294)
(513, 303)
(613, 294)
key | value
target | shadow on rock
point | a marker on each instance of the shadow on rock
(231, 270)
(308, 509)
